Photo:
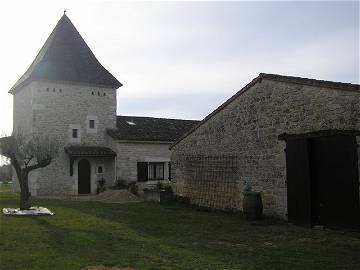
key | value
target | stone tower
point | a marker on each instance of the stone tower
(67, 93)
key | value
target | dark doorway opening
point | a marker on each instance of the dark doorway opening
(323, 181)
(84, 178)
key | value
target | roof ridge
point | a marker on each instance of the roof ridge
(163, 118)
(311, 81)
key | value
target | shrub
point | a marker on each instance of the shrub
(133, 188)
(101, 186)
(120, 183)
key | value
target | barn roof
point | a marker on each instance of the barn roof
(65, 56)
(275, 77)
(135, 128)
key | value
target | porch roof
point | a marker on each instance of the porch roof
(89, 151)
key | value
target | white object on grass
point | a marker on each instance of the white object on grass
(33, 211)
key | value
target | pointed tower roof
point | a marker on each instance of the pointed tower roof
(65, 56)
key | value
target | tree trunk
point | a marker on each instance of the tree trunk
(24, 190)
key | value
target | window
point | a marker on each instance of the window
(150, 171)
(130, 123)
(156, 171)
(91, 123)
(100, 169)
(75, 133)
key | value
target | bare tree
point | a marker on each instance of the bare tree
(27, 153)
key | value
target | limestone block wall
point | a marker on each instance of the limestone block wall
(248, 128)
(129, 153)
(23, 102)
(54, 108)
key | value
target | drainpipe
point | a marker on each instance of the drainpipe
(115, 165)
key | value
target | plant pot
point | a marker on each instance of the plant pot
(252, 205)
(166, 196)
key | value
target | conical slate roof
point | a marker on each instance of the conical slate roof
(65, 56)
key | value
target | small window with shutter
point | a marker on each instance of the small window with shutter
(91, 123)
(75, 133)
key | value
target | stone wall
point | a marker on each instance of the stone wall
(248, 128)
(23, 115)
(211, 181)
(54, 109)
(129, 153)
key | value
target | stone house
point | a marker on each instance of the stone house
(142, 144)
(292, 139)
(68, 94)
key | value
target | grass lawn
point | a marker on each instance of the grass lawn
(152, 236)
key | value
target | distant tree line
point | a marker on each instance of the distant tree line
(5, 173)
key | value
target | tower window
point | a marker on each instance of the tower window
(60, 90)
(75, 133)
(47, 89)
(92, 92)
(98, 93)
(104, 94)
(100, 169)
(91, 123)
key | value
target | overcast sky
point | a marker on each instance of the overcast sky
(183, 59)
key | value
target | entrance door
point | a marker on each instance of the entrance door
(84, 186)
(323, 181)
(334, 177)
(298, 182)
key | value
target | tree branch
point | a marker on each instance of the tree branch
(40, 164)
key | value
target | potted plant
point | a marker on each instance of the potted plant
(166, 193)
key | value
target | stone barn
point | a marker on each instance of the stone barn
(293, 139)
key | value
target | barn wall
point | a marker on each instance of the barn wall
(248, 129)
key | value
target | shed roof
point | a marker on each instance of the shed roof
(65, 56)
(135, 128)
(275, 77)
(89, 151)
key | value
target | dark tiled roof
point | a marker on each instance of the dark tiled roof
(66, 57)
(135, 128)
(275, 77)
(89, 151)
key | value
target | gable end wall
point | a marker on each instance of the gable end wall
(239, 145)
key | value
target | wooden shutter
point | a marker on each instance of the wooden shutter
(298, 182)
(142, 171)
(169, 165)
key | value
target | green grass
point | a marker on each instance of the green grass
(152, 236)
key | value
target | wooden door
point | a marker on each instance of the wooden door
(84, 177)
(334, 173)
(298, 182)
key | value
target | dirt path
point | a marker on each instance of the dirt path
(108, 196)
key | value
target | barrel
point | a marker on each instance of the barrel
(252, 205)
